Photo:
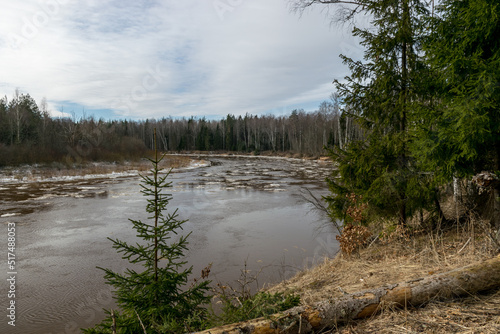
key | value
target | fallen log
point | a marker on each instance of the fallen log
(329, 313)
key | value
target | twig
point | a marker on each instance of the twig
(463, 247)
(406, 330)
(342, 290)
(140, 321)
(452, 323)
(113, 326)
(318, 205)
(290, 326)
(433, 249)
(371, 243)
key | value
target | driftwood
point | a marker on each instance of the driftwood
(326, 314)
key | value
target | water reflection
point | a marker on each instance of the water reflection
(239, 210)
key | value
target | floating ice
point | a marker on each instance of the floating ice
(9, 214)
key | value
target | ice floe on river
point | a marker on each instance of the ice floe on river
(23, 176)
(28, 174)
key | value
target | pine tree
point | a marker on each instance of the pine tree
(156, 298)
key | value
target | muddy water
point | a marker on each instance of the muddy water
(240, 210)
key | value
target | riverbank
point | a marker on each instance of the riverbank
(37, 172)
(276, 154)
(400, 260)
(58, 171)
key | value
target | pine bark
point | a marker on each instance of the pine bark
(326, 314)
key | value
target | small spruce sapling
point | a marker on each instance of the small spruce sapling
(158, 296)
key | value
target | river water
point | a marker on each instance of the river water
(240, 210)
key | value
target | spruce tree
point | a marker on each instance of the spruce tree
(461, 134)
(380, 94)
(158, 298)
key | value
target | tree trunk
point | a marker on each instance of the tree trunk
(325, 314)
(441, 216)
(341, 146)
(496, 196)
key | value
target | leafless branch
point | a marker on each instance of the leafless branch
(113, 326)
(344, 10)
(140, 321)
(318, 204)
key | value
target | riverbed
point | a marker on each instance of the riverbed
(239, 210)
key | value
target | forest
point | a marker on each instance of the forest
(421, 110)
(29, 135)
(414, 126)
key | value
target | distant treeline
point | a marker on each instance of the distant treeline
(29, 135)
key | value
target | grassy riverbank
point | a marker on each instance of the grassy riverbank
(401, 259)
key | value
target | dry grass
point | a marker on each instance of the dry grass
(474, 314)
(398, 261)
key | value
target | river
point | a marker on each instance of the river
(240, 210)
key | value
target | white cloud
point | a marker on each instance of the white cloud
(153, 59)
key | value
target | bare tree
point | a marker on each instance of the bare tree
(18, 115)
(343, 10)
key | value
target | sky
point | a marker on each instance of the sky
(138, 59)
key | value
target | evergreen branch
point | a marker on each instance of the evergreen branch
(139, 252)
